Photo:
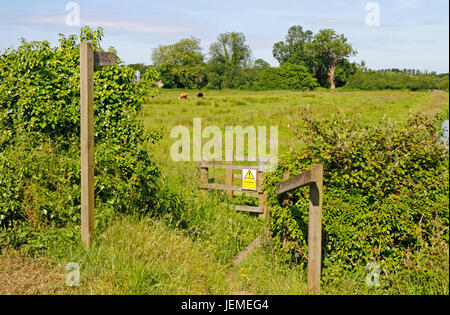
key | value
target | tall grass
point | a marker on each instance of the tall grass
(144, 256)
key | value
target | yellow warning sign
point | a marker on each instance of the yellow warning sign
(249, 175)
(249, 179)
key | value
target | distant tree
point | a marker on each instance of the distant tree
(139, 67)
(296, 49)
(181, 65)
(230, 48)
(322, 54)
(228, 57)
(331, 47)
(261, 64)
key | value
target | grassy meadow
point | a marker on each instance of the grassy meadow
(154, 256)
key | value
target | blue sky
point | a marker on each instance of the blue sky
(411, 34)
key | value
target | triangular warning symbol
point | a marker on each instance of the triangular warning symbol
(249, 175)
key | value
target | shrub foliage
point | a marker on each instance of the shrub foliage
(385, 191)
(286, 77)
(39, 136)
(373, 80)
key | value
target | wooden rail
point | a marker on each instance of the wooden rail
(231, 189)
(313, 178)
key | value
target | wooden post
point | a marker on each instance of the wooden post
(229, 180)
(262, 196)
(204, 172)
(87, 141)
(315, 230)
(229, 172)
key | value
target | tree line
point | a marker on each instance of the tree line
(306, 61)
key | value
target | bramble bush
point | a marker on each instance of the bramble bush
(385, 191)
(39, 138)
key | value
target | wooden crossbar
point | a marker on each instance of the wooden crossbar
(249, 209)
(229, 187)
(230, 166)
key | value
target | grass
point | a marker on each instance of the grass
(21, 275)
(149, 256)
(278, 108)
(159, 260)
(145, 256)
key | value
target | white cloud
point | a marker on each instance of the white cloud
(123, 25)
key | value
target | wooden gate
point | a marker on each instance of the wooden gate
(207, 183)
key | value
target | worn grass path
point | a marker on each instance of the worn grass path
(237, 260)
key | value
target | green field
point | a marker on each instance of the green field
(195, 259)
(277, 108)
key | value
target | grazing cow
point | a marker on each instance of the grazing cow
(200, 94)
(183, 96)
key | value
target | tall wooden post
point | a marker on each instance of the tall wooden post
(87, 141)
(315, 230)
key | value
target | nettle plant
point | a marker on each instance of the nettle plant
(40, 128)
(385, 191)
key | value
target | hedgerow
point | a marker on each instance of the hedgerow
(39, 137)
(373, 80)
(385, 191)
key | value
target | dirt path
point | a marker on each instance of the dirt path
(438, 101)
(237, 260)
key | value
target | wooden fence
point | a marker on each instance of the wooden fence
(231, 189)
(314, 179)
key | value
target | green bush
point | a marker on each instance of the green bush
(286, 77)
(39, 137)
(372, 80)
(385, 191)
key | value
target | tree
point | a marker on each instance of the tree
(331, 47)
(317, 53)
(230, 48)
(229, 55)
(181, 65)
(139, 67)
(344, 71)
(261, 64)
(296, 48)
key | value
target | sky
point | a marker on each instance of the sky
(411, 34)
